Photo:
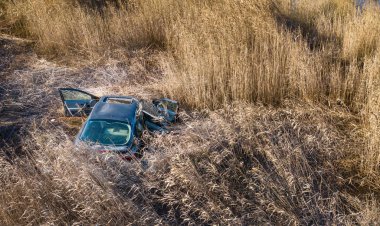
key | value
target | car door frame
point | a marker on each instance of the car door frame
(66, 108)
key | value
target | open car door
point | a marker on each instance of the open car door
(167, 108)
(160, 114)
(76, 102)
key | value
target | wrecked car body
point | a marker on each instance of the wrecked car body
(116, 123)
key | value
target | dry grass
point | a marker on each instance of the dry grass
(226, 50)
(245, 164)
(249, 164)
(261, 159)
(53, 188)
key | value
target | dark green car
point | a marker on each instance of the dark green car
(116, 123)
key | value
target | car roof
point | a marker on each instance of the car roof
(115, 111)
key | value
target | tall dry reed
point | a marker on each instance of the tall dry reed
(216, 52)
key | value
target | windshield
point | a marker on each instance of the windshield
(106, 132)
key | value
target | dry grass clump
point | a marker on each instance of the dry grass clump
(69, 28)
(232, 51)
(52, 188)
(248, 164)
(218, 52)
(257, 165)
(59, 26)
(371, 156)
(358, 41)
(350, 55)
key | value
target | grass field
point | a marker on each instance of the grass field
(281, 111)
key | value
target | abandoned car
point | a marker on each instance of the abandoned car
(116, 123)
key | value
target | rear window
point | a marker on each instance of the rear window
(119, 101)
(106, 132)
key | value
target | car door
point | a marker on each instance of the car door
(160, 114)
(77, 102)
(167, 108)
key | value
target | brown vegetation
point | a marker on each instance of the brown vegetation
(245, 152)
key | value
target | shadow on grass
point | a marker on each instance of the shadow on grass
(315, 39)
(100, 5)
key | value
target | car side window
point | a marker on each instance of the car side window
(75, 95)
